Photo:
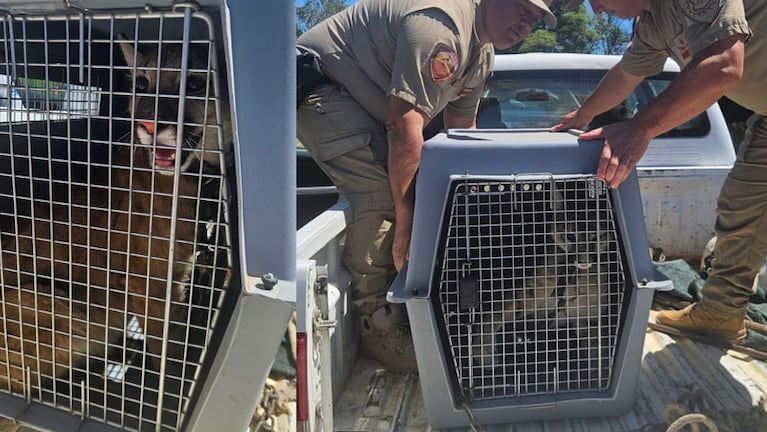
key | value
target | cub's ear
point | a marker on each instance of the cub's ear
(131, 56)
(557, 200)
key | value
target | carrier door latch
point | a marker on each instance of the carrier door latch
(468, 288)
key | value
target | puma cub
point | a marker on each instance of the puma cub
(570, 289)
(74, 274)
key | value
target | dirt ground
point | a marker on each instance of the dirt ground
(7, 425)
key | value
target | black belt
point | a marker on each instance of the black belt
(308, 75)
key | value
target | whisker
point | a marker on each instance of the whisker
(124, 138)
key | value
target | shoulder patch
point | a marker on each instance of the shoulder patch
(701, 11)
(443, 62)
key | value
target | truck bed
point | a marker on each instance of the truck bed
(725, 384)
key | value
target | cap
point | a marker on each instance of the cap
(548, 16)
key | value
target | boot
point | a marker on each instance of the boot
(386, 338)
(700, 320)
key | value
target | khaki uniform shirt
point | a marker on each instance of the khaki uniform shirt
(426, 52)
(681, 28)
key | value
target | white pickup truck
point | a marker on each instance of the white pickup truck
(679, 178)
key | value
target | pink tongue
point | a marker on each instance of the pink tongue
(164, 156)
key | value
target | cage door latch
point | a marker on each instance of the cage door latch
(468, 288)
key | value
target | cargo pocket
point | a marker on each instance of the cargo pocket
(331, 123)
(325, 151)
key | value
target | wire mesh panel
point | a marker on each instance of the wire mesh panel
(115, 238)
(531, 285)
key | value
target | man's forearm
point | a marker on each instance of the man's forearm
(404, 158)
(404, 126)
(614, 88)
(404, 129)
(712, 72)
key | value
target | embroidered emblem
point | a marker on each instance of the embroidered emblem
(680, 42)
(701, 11)
(443, 62)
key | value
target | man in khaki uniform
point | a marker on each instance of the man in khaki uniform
(713, 42)
(393, 66)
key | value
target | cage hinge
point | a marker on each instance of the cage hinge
(321, 295)
(69, 4)
(181, 5)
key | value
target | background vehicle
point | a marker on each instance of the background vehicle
(679, 178)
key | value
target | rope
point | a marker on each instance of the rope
(474, 424)
(265, 418)
(693, 412)
(693, 420)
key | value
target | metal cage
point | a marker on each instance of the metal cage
(530, 285)
(114, 192)
(526, 293)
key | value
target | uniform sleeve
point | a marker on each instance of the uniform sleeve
(467, 104)
(708, 22)
(645, 55)
(426, 59)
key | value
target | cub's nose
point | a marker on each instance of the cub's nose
(149, 126)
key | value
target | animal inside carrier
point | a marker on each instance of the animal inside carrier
(120, 258)
(527, 292)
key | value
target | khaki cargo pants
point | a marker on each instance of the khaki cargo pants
(337, 132)
(741, 225)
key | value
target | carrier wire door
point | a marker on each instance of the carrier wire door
(531, 285)
(114, 214)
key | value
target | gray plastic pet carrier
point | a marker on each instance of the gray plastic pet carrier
(131, 295)
(529, 281)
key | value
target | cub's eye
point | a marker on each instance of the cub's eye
(142, 84)
(195, 84)
(572, 238)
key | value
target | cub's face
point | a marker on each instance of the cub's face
(156, 103)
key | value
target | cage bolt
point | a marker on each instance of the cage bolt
(269, 281)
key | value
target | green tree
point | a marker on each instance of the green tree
(577, 32)
(574, 33)
(612, 37)
(540, 40)
(314, 11)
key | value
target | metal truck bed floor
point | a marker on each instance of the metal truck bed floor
(672, 370)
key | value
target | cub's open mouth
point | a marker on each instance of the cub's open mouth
(164, 156)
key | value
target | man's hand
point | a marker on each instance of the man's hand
(400, 249)
(574, 120)
(624, 145)
(720, 66)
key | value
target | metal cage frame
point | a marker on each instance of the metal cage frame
(51, 55)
